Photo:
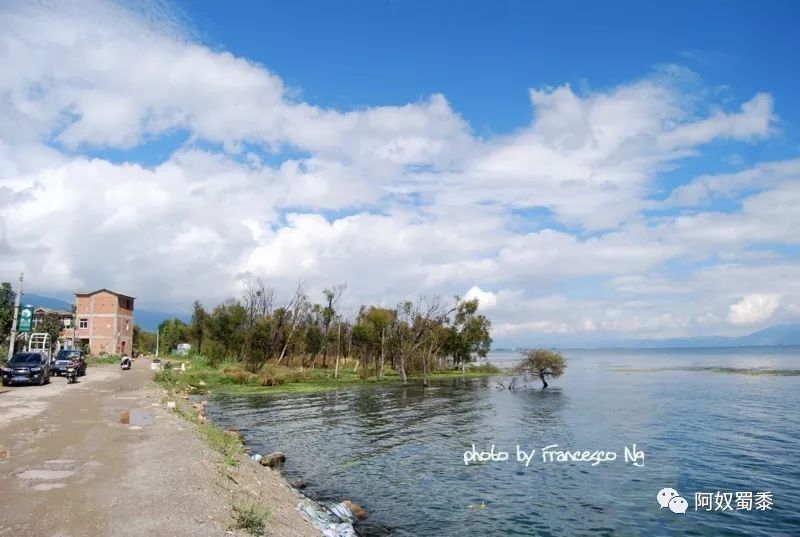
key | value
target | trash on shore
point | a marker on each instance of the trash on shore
(324, 519)
(125, 417)
(171, 405)
(273, 459)
(256, 457)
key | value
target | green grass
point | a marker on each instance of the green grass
(251, 517)
(103, 360)
(222, 442)
(201, 377)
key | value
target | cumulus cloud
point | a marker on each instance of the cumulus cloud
(396, 200)
(486, 299)
(753, 308)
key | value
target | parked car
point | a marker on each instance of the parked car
(63, 359)
(27, 368)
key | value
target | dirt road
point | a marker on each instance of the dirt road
(70, 466)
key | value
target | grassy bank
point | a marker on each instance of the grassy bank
(202, 377)
(108, 359)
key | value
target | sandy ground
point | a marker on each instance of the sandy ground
(69, 467)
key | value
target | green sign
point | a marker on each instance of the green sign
(25, 318)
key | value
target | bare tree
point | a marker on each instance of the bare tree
(258, 298)
(416, 330)
(332, 296)
(295, 308)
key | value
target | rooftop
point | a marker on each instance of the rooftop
(90, 293)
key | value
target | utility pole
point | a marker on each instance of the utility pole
(158, 331)
(13, 339)
(74, 321)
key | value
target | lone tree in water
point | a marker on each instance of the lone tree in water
(541, 364)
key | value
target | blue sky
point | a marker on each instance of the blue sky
(484, 55)
(588, 170)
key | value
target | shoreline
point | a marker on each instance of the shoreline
(199, 378)
(114, 443)
(188, 387)
(248, 483)
(270, 482)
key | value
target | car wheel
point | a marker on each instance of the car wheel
(41, 380)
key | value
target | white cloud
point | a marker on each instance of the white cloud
(395, 200)
(709, 187)
(753, 308)
(486, 299)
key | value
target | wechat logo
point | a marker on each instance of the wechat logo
(675, 502)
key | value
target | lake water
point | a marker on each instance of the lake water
(399, 451)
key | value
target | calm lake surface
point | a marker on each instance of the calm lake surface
(399, 451)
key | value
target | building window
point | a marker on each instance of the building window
(127, 326)
(67, 322)
(84, 323)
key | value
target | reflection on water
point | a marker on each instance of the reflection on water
(399, 450)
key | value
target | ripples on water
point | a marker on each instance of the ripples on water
(399, 450)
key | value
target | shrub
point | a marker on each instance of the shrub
(251, 517)
(485, 368)
(241, 377)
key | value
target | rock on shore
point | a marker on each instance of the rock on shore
(273, 459)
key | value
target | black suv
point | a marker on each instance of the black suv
(64, 357)
(28, 368)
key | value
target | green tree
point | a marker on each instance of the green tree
(469, 337)
(171, 333)
(260, 340)
(6, 312)
(199, 325)
(51, 325)
(226, 326)
(370, 335)
(314, 341)
(143, 341)
(542, 364)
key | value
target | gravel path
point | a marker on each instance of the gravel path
(70, 466)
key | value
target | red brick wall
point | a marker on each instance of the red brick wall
(106, 312)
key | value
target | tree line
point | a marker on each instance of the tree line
(415, 337)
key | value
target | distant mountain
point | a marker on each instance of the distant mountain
(38, 301)
(785, 334)
(147, 319)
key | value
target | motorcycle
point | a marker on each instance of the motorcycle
(125, 364)
(72, 373)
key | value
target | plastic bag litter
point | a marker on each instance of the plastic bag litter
(256, 457)
(341, 511)
(329, 519)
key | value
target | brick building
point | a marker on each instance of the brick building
(66, 316)
(104, 322)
